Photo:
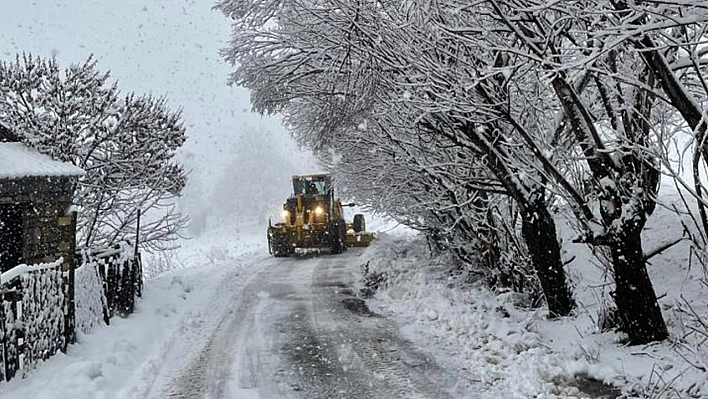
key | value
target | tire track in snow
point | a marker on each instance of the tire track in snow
(297, 331)
(194, 327)
(206, 372)
(368, 345)
(234, 361)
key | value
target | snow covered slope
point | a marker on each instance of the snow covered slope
(519, 353)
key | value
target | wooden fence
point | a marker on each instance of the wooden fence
(120, 273)
(32, 316)
(38, 303)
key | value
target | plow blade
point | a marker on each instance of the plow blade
(361, 239)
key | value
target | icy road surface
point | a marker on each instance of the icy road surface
(297, 330)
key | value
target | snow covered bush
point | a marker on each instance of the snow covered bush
(372, 280)
(608, 319)
(125, 143)
(89, 298)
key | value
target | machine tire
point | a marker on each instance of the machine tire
(336, 238)
(279, 246)
(343, 234)
(359, 224)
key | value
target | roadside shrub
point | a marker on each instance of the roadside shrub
(373, 280)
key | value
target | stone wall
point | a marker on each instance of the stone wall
(49, 231)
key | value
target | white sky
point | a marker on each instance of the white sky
(163, 47)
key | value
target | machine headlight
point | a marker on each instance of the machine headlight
(319, 210)
(285, 214)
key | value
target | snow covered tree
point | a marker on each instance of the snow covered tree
(125, 145)
(434, 185)
(669, 36)
(556, 103)
(328, 68)
(607, 108)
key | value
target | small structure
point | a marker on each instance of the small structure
(36, 225)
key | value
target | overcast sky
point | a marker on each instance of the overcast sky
(163, 47)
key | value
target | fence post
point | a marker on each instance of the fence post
(137, 269)
(137, 235)
(105, 304)
(3, 337)
(70, 319)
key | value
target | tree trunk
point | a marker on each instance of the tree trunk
(634, 295)
(539, 231)
(537, 227)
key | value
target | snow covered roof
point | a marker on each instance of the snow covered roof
(18, 160)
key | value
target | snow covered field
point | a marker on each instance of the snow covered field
(519, 353)
(486, 346)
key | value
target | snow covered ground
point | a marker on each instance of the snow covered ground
(132, 356)
(485, 346)
(519, 353)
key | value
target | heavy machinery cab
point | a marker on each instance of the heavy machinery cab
(313, 201)
(312, 185)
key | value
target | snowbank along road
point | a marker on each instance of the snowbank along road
(297, 330)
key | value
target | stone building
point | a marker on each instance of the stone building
(36, 225)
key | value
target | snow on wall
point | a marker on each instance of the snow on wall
(43, 314)
(32, 323)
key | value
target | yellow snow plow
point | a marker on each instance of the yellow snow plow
(312, 218)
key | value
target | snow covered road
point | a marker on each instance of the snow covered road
(229, 321)
(296, 330)
(233, 322)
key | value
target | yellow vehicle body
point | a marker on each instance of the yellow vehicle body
(313, 218)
